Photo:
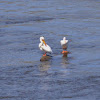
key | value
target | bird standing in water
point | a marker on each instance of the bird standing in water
(44, 47)
(64, 44)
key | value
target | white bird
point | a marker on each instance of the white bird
(44, 47)
(64, 43)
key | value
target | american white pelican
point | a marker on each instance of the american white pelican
(64, 44)
(44, 47)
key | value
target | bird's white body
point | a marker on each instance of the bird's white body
(64, 43)
(43, 46)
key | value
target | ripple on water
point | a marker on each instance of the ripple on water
(23, 76)
(24, 19)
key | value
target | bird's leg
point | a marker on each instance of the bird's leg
(64, 52)
(44, 54)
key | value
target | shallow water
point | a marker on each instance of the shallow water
(23, 76)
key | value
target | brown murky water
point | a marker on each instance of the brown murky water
(23, 76)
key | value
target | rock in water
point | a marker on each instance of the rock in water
(45, 58)
(65, 53)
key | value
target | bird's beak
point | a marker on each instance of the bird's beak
(44, 41)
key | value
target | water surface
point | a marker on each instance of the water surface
(23, 76)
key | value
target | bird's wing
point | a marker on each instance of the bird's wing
(61, 42)
(47, 48)
(66, 41)
(40, 46)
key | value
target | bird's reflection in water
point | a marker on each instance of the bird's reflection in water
(44, 66)
(64, 61)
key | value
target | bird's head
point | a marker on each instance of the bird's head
(64, 38)
(42, 40)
